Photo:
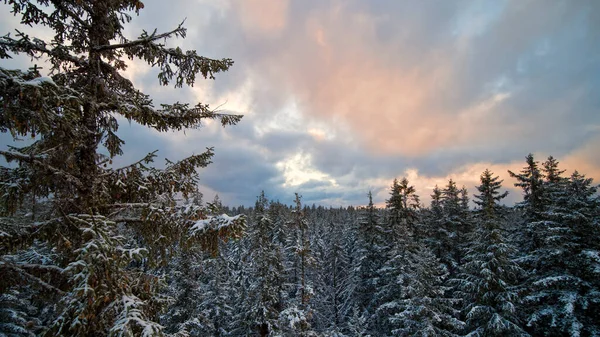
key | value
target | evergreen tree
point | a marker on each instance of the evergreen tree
(455, 224)
(403, 219)
(563, 288)
(530, 180)
(371, 255)
(435, 235)
(215, 299)
(424, 308)
(333, 288)
(488, 283)
(106, 285)
(296, 318)
(266, 282)
(357, 324)
(402, 207)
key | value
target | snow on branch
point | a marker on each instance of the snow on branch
(214, 223)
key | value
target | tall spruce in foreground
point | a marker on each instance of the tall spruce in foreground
(106, 226)
(488, 283)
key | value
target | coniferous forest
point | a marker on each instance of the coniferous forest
(91, 249)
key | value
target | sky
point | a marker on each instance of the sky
(341, 97)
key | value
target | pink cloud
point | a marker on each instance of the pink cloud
(262, 18)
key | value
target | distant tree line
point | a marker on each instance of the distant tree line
(406, 270)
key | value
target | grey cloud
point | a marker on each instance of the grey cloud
(544, 55)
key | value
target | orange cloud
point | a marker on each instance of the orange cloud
(336, 71)
(262, 17)
(586, 160)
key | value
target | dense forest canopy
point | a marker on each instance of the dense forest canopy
(90, 249)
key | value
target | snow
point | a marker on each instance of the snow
(36, 82)
(132, 315)
(293, 316)
(213, 222)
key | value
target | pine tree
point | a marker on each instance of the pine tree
(531, 181)
(106, 286)
(489, 282)
(402, 207)
(424, 308)
(357, 324)
(370, 255)
(215, 298)
(563, 290)
(455, 224)
(266, 287)
(296, 318)
(334, 289)
(435, 233)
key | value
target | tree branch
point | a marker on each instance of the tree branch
(74, 16)
(24, 45)
(148, 158)
(20, 271)
(38, 161)
(142, 41)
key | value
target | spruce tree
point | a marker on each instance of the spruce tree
(424, 308)
(402, 208)
(490, 277)
(296, 318)
(435, 232)
(530, 180)
(370, 255)
(563, 288)
(455, 225)
(104, 284)
(266, 276)
(333, 288)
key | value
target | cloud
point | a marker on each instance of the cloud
(262, 18)
(341, 97)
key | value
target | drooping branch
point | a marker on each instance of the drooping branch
(147, 159)
(19, 270)
(35, 46)
(39, 161)
(60, 5)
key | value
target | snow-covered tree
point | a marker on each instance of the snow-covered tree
(455, 225)
(563, 292)
(296, 318)
(488, 283)
(402, 208)
(266, 272)
(71, 115)
(333, 284)
(424, 308)
(435, 233)
(370, 255)
(530, 180)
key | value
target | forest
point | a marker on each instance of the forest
(405, 270)
(88, 248)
